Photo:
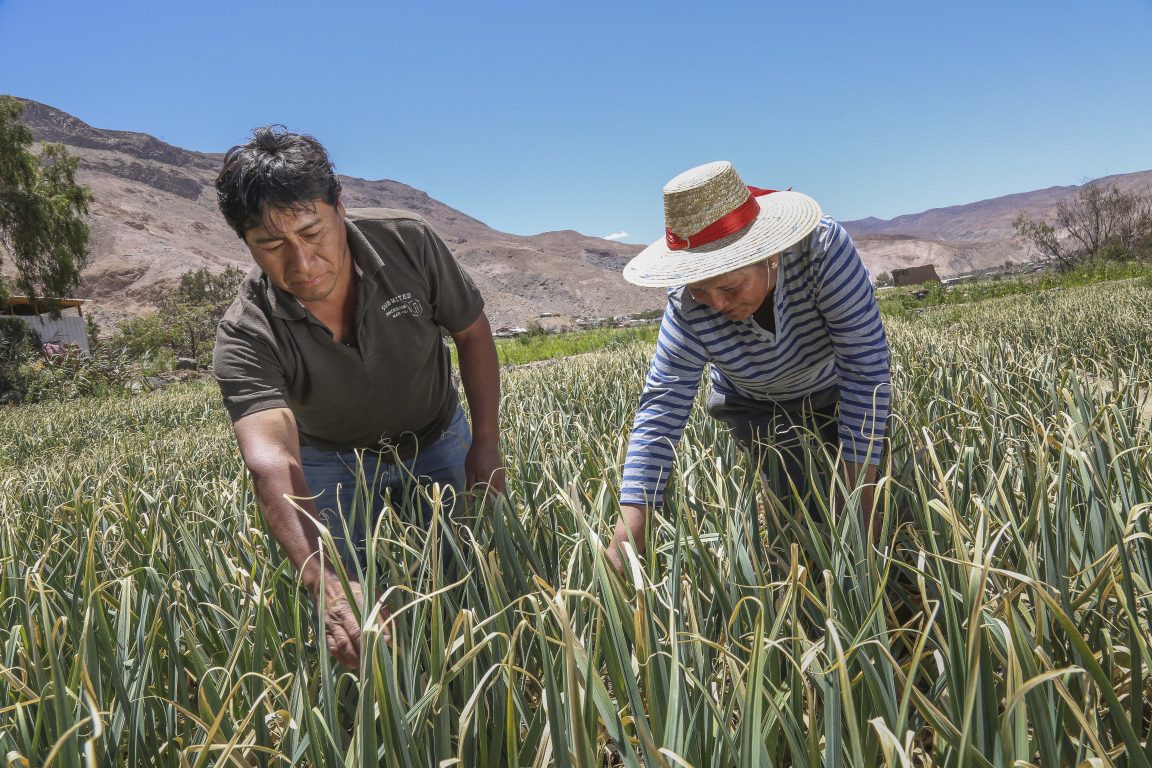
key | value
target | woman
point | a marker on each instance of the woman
(776, 298)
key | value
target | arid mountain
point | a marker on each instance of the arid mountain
(961, 238)
(155, 217)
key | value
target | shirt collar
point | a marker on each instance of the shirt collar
(368, 262)
(281, 303)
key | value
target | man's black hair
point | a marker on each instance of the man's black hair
(275, 170)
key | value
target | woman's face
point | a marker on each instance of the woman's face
(736, 295)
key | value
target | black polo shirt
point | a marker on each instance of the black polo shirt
(394, 387)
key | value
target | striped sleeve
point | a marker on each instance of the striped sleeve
(669, 390)
(845, 298)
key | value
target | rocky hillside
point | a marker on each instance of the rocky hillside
(961, 238)
(155, 217)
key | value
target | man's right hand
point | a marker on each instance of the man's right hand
(342, 622)
(632, 526)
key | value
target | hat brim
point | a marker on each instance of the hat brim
(784, 219)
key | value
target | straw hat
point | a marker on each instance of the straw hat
(714, 224)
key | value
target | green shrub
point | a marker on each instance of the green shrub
(19, 342)
(74, 374)
(185, 325)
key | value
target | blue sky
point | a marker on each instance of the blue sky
(536, 116)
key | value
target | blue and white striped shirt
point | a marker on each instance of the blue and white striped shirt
(828, 333)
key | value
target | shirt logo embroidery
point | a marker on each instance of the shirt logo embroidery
(403, 304)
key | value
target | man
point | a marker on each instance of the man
(332, 354)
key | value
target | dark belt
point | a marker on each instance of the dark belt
(396, 451)
(815, 402)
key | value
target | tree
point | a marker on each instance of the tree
(1096, 224)
(42, 210)
(195, 308)
(186, 321)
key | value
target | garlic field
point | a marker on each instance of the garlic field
(146, 617)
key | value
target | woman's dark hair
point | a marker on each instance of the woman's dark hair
(275, 170)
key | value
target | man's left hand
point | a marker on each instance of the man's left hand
(480, 375)
(484, 465)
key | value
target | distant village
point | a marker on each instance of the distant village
(70, 330)
(909, 277)
(551, 322)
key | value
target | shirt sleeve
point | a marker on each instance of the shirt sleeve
(845, 298)
(669, 391)
(455, 300)
(250, 377)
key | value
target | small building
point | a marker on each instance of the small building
(915, 275)
(508, 332)
(66, 329)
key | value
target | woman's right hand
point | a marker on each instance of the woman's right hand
(632, 527)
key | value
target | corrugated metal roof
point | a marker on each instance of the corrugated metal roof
(23, 305)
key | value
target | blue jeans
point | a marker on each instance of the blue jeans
(349, 503)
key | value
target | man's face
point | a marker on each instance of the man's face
(303, 251)
(736, 295)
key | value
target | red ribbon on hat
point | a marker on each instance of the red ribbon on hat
(729, 223)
